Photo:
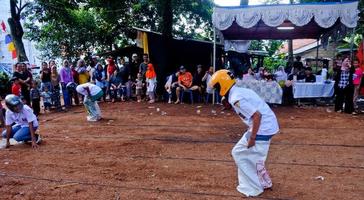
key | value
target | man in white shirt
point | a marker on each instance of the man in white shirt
(24, 120)
(92, 93)
(251, 151)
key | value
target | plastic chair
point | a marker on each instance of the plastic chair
(188, 91)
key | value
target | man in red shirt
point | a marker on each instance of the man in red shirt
(184, 82)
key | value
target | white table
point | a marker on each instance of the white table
(270, 92)
(313, 90)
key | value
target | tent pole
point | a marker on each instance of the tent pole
(317, 53)
(352, 46)
(214, 63)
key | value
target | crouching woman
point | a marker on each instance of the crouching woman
(92, 94)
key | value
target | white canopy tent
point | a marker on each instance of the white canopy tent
(236, 26)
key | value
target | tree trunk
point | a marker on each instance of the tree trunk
(17, 32)
(167, 18)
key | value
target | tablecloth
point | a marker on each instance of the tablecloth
(313, 90)
(270, 92)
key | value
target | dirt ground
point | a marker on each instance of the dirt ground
(171, 152)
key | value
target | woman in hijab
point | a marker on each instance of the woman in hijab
(151, 79)
(344, 88)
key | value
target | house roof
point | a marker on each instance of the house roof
(300, 45)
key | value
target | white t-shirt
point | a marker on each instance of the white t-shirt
(246, 102)
(94, 90)
(209, 89)
(23, 118)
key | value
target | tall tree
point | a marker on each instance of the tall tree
(16, 28)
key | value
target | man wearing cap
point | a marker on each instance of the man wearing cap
(252, 149)
(184, 82)
(24, 120)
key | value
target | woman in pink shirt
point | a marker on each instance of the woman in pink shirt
(357, 80)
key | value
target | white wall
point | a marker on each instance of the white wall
(5, 55)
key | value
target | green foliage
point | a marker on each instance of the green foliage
(69, 29)
(4, 84)
(273, 61)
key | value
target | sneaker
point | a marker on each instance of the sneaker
(38, 139)
(169, 101)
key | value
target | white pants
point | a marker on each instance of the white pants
(252, 175)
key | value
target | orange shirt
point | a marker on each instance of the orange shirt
(185, 79)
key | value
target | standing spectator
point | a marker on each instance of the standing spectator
(206, 79)
(298, 64)
(51, 64)
(16, 87)
(91, 68)
(45, 76)
(124, 73)
(144, 65)
(358, 75)
(139, 84)
(344, 88)
(134, 67)
(337, 64)
(47, 99)
(35, 97)
(151, 80)
(66, 77)
(99, 77)
(24, 79)
(115, 86)
(92, 94)
(184, 82)
(55, 80)
(75, 74)
(111, 67)
(83, 75)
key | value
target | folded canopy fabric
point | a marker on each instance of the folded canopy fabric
(305, 20)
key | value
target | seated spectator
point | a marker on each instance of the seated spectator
(171, 84)
(249, 76)
(184, 82)
(310, 78)
(280, 74)
(197, 79)
(260, 74)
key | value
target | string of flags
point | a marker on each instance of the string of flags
(8, 41)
